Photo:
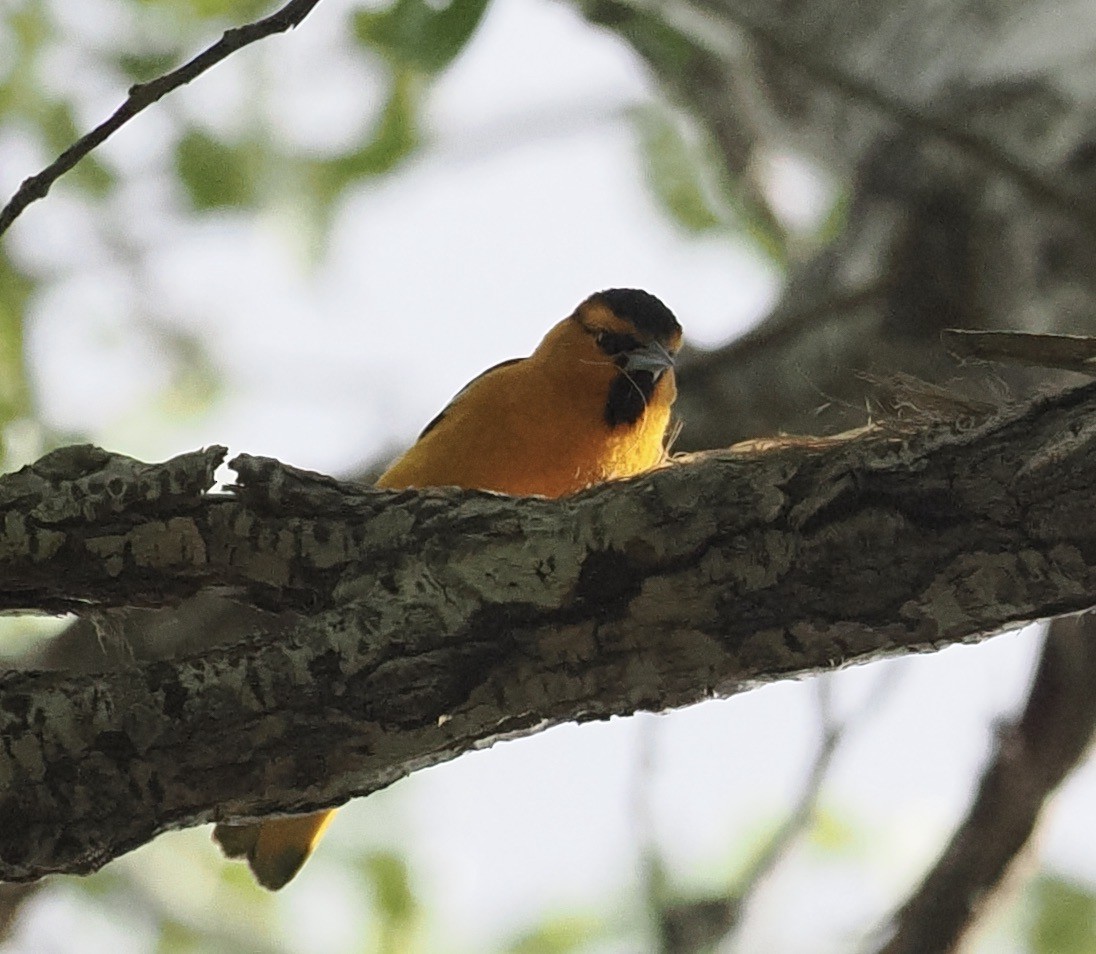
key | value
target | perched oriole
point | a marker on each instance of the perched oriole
(591, 403)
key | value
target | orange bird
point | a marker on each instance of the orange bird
(592, 403)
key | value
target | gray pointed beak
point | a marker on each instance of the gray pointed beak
(651, 357)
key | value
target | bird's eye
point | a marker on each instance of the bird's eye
(614, 342)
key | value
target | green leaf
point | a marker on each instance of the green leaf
(178, 938)
(391, 881)
(687, 177)
(142, 67)
(833, 834)
(102, 885)
(562, 935)
(1064, 917)
(674, 171)
(239, 11)
(395, 136)
(835, 220)
(195, 383)
(15, 397)
(647, 32)
(689, 181)
(418, 34)
(215, 174)
(30, 26)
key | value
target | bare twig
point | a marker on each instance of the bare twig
(144, 95)
(801, 815)
(1067, 352)
(12, 899)
(696, 925)
(1033, 756)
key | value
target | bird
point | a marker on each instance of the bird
(591, 404)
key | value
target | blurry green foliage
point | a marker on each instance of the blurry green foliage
(178, 938)
(676, 171)
(560, 935)
(691, 184)
(413, 39)
(387, 873)
(647, 31)
(397, 907)
(142, 66)
(394, 137)
(215, 174)
(15, 397)
(29, 27)
(179, 890)
(22, 98)
(195, 383)
(416, 41)
(1064, 917)
(414, 33)
(59, 130)
(239, 11)
(833, 224)
(833, 834)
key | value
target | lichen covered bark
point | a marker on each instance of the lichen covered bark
(435, 622)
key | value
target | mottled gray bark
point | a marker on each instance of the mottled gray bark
(437, 622)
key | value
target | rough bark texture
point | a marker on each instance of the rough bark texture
(444, 621)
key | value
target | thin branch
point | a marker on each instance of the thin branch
(12, 899)
(144, 95)
(699, 22)
(1065, 352)
(802, 814)
(1032, 757)
(911, 117)
(692, 926)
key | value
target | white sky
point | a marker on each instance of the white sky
(462, 259)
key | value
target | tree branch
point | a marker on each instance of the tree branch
(1067, 352)
(1032, 758)
(144, 95)
(447, 620)
(687, 927)
(713, 27)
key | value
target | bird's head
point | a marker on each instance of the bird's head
(632, 327)
(626, 339)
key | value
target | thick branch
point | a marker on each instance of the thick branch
(444, 621)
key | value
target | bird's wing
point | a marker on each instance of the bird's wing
(463, 391)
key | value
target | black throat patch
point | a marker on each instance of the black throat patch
(629, 395)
